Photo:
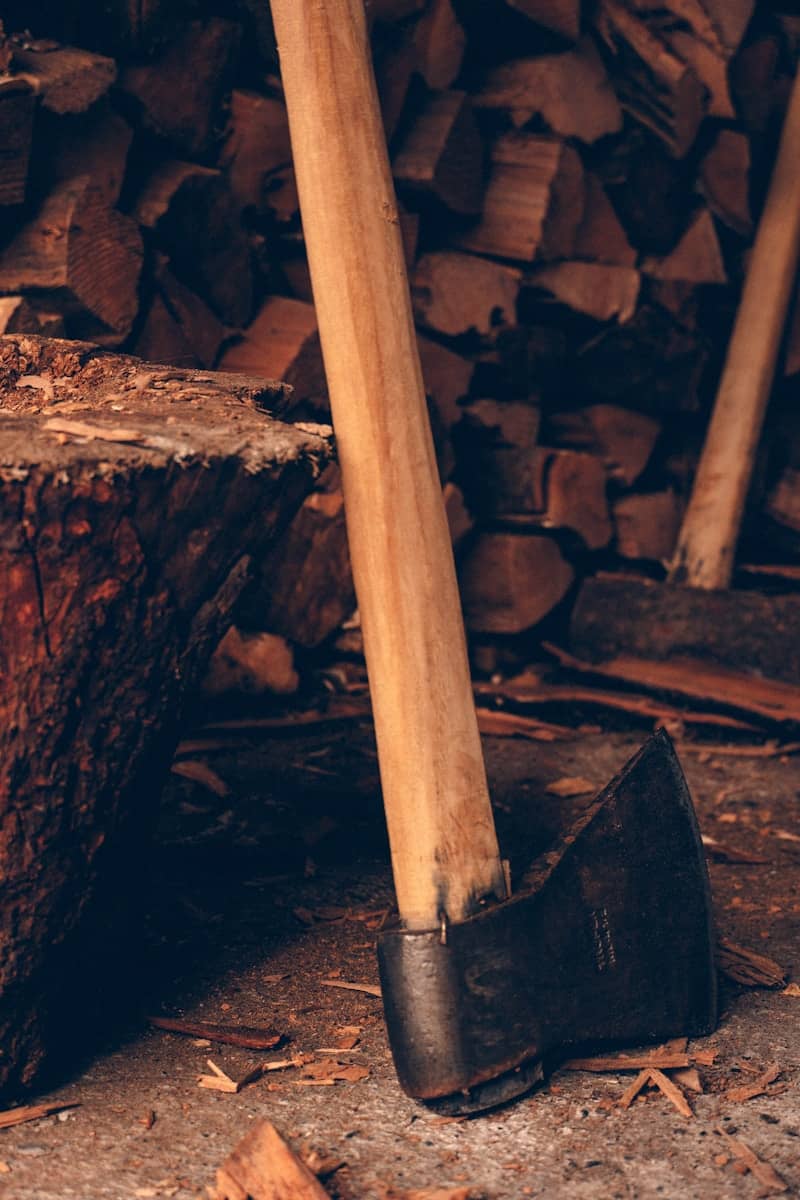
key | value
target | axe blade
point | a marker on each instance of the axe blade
(609, 940)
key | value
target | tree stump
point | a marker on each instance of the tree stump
(133, 499)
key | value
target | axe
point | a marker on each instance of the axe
(609, 936)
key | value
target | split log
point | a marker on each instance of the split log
(394, 58)
(506, 477)
(130, 525)
(196, 222)
(647, 524)
(256, 146)
(495, 443)
(67, 80)
(17, 105)
(603, 292)
(179, 94)
(19, 315)
(94, 144)
(263, 1167)
(534, 200)
(621, 438)
(440, 43)
(560, 16)
(600, 236)
(304, 587)
(457, 293)
(654, 363)
(725, 180)
(710, 65)
(180, 329)
(570, 92)
(731, 19)
(511, 581)
(655, 86)
(83, 258)
(441, 154)
(696, 259)
(754, 75)
(628, 614)
(283, 343)
(447, 377)
(783, 501)
(250, 664)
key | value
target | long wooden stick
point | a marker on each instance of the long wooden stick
(707, 542)
(444, 847)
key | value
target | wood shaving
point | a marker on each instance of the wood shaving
(371, 989)
(32, 1112)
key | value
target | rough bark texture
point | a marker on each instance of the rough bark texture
(132, 500)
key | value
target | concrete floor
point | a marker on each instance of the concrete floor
(302, 830)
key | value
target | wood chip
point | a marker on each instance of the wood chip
(665, 1060)
(228, 1035)
(494, 723)
(32, 1112)
(632, 1091)
(371, 989)
(705, 1057)
(200, 772)
(672, 1092)
(570, 786)
(729, 854)
(331, 1069)
(766, 1175)
(85, 430)
(759, 1087)
(748, 968)
(264, 1167)
(792, 990)
(689, 1078)
(218, 1081)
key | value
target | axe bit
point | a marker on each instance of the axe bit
(611, 937)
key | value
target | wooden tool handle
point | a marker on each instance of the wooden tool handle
(707, 541)
(444, 847)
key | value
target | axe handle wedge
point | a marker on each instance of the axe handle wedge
(444, 848)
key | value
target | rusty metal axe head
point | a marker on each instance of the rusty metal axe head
(609, 939)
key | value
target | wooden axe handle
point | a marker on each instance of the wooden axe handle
(707, 541)
(444, 846)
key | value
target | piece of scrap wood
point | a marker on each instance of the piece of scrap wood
(200, 772)
(766, 1175)
(724, 853)
(689, 1078)
(497, 723)
(229, 1035)
(32, 1112)
(705, 1056)
(758, 1087)
(218, 1081)
(328, 1068)
(672, 1092)
(667, 1061)
(748, 968)
(85, 430)
(264, 1167)
(371, 989)
(694, 679)
(632, 1091)
(570, 785)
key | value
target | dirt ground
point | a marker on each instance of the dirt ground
(256, 896)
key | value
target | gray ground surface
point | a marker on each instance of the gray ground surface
(302, 829)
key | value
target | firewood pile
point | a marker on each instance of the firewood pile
(579, 185)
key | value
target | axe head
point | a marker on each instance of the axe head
(609, 940)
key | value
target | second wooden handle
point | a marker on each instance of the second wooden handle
(707, 542)
(444, 847)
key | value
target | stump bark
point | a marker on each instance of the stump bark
(133, 500)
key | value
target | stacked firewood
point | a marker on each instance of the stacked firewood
(579, 184)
